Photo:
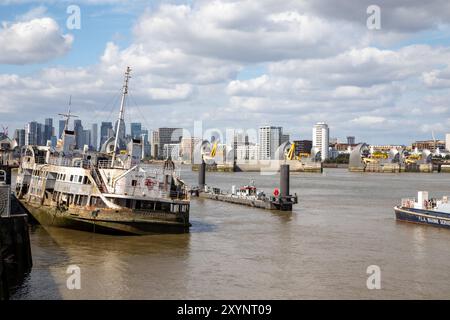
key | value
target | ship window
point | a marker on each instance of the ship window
(133, 183)
(80, 179)
(71, 178)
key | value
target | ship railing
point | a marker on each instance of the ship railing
(39, 160)
(105, 164)
(64, 162)
(408, 202)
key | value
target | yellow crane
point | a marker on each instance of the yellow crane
(291, 152)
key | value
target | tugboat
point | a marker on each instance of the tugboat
(109, 192)
(425, 211)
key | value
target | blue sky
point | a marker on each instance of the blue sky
(234, 64)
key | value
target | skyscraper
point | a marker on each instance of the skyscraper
(79, 137)
(31, 135)
(136, 130)
(269, 141)
(155, 144)
(94, 136)
(168, 136)
(122, 129)
(321, 139)
(48, 130)
(62, 124)
(19, 136)
(350, 140)
(105, 132)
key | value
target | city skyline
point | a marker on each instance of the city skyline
(373, 81)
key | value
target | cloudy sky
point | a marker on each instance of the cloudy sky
(232, 64)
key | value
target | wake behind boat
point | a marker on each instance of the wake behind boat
(425, 211)
(106, 192)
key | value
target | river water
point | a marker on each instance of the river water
(344, 222)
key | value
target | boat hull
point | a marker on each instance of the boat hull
(70, 219)
(428, 217)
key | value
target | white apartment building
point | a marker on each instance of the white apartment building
(247, 152)
(269, 141)
(321, 139)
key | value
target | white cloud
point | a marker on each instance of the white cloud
(368, 120)
(37, 40)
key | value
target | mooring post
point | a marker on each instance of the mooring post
(202, 176)
(284, 180)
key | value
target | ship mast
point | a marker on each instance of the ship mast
(121, 113)
(67, 115)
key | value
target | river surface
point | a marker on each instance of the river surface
(343, 224)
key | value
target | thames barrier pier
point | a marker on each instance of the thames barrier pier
(15, 249)
(249, 195)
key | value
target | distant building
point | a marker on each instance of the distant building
(302, 146)
(169, 136)
(321, 139)
(48, 130)
(284, 138)
(147, 147)
(447, 142)
(247, 152)
(19, 136)
(31, 135)
(269, 141)
(122, 129)
(155, 145)
(351, 140)
(62, 124)
(431, 145)
(171, 150)
(105, 132)
(239, 139)
(94, 136)
(187, 147)
(136, 129)
(79, 136)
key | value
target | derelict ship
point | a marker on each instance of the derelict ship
(105, 192)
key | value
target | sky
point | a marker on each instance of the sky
(232, 64)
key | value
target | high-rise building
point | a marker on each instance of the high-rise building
(94, 136)
(169, 136)
(350, 140)
(79, 137)
(155, 144)
(284, 138)
(86, 139)
(48, 130)
(31, 135)
(122, 129)
(147, 148)
(239, 139)
(247, 152)
(136, 130)
(447, 141)
(62, 124)
(19, 136)
(105, 132)
(187, 147)
(171, 150)
(269, 141)
(321, 139)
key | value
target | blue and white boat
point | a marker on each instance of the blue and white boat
(435, 212)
